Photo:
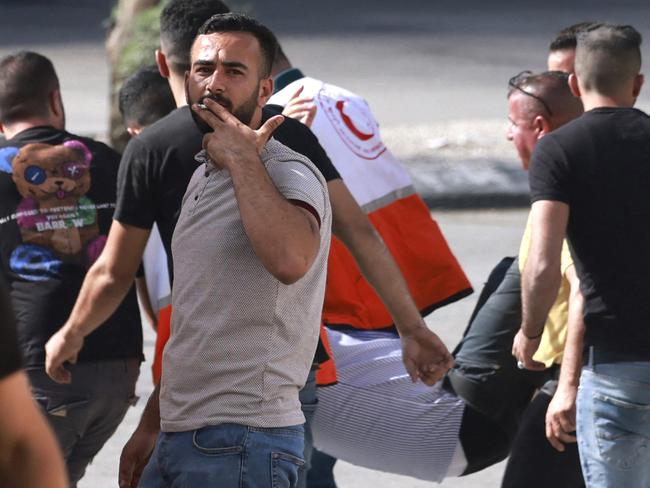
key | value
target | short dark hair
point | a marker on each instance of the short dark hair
(180, 20)
(145, 97)
(607, 57)
(243, 23)
(567, 38)
(548, 93)
(26, 81)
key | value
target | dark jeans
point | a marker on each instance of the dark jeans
(533, 462)
(321, 474)
(85, 413)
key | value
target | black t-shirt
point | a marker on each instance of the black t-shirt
(599, 165)
(158, 164)
(57, 197)
(9, 353)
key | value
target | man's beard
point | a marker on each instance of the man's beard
(244, 113)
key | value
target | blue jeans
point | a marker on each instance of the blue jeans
(226, 456)
(614, 424)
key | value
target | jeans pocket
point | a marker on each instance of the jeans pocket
(59, 407)
(616, 424)
(286, 468)
(215, 441)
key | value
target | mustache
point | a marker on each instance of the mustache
(221, 100)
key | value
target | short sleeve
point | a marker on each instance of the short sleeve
(135, 195)
(296, 181)
(549, 172)
(297, 136)
(10, 359)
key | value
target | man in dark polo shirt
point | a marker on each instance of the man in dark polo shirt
(590, 179)
(57, 197)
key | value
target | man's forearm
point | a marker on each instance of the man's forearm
(542, 275)
(540, 284)
(108, 280)
(572, 357)
(285, 238)
(100, 295)
(150, 419)
(382, 272)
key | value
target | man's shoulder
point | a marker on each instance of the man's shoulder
(276, 151)
(175, 134)
(175, 126)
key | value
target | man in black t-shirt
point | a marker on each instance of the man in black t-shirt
(153, 177)
(590, 179)
(57, 197)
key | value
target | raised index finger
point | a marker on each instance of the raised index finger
(219, 110)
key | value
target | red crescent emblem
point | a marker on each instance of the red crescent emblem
(350, 125)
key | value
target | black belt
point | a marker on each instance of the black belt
(597, 355)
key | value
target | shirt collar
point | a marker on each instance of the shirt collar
(285, 78)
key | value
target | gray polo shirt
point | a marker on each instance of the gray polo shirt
(241, 341)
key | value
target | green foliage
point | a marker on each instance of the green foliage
(145, 34)
(144, 40)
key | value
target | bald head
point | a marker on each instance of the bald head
(608, 58)
(548, 95)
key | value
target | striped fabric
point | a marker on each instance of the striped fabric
(377, 418)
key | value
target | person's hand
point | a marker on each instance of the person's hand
(135, 456)
(523, 350)
(232, 141)
(63, 346)
(561, 417)
(303, 109)
(425, 356)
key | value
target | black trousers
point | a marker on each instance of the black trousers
(533, 462)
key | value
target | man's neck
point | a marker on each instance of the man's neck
(177, 85)
(11, 130)
(592, 100)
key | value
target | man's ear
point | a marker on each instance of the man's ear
(573, 85)
(542, 126)
(134, 130)
(161, 62)
(265, 91)
(55, 102)
(186, 83)
(638, 83)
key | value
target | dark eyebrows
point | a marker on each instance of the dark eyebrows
(227, 64)
(203, 62)
(235, 64)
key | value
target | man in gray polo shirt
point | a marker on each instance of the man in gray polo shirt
(250, 253)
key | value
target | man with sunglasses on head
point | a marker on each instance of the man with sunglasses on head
(537, 105)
